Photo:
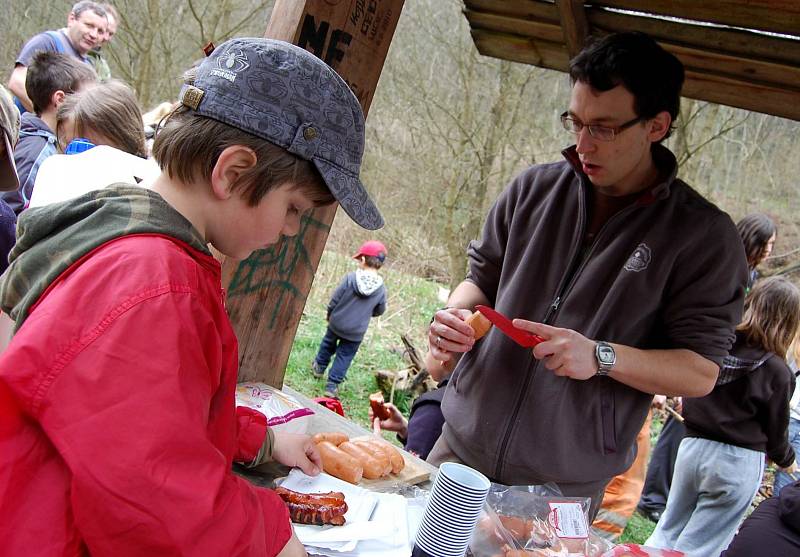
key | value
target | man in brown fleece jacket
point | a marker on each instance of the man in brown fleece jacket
(634, 280)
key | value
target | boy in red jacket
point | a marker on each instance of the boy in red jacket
(117, 419)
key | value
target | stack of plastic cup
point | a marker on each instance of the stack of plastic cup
(453, 509)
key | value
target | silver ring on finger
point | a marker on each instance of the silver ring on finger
(438, 341)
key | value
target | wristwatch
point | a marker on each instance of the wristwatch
(606, 357)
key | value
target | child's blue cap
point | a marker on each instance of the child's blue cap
(286, 95)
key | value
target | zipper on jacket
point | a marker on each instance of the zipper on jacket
(523, 393)
(567, 282)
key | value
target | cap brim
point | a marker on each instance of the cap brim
(351, 195)
(9, 181)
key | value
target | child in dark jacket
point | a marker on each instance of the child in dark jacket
(359, 297)
(50, 78)
(721, 461)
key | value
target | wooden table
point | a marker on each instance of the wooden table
(417, 471)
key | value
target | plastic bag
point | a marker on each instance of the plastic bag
(283, 412)
(535, 521)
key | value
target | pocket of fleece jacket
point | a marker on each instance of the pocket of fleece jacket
(607, 411)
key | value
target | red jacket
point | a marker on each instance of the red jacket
(117, 421)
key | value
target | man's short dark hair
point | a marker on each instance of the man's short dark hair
(634, 60)
(86, 6)
(50, 72)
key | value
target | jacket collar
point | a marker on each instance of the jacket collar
(31, 124)
(664, 159)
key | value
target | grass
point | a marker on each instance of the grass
(638, 530)
(410, 305)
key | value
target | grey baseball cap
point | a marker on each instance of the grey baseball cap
(286, 95)
(9, 128)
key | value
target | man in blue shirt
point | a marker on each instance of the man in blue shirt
(86, 29)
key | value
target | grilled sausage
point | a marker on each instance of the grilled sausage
(314, 508)
(378, 405)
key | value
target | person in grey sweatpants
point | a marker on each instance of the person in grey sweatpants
(721, 461)
(712, 488)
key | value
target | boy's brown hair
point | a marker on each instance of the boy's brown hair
(50, 72)
(772, 315)
(188, 146)
(286, 97)
(111, 110)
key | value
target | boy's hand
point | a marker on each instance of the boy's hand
(297, 451)
(395, 422)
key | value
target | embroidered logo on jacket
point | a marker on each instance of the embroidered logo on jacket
(230, 64)
(639, 260)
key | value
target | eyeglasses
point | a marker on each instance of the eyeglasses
(602, 133)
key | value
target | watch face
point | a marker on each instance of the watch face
(605, 354)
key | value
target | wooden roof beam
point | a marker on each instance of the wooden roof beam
(574, 24)
(776, 16)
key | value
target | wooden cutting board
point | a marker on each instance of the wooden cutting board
(415, 472)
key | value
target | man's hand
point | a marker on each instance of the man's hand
(395, 422)
(297, 451)
(565, 352)
(659, 401)
(450, 333)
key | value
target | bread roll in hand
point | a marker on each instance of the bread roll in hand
(479, 323)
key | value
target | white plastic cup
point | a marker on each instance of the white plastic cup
(452, 511)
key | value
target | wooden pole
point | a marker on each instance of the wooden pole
(266, 293)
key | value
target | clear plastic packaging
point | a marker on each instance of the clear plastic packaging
(535, 521)
(283, 412)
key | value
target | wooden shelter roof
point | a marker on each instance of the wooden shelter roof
(742, 53)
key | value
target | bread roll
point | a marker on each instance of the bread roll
(479, 323)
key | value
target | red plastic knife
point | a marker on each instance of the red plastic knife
(523, 338)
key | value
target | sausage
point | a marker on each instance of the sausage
(328, 497)
(479, 323)
(373, 469)
(338, 463)
(394, 455)
(378, 405)
(334, 437)
(314, 508)
(519, 528)
(377, 453)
